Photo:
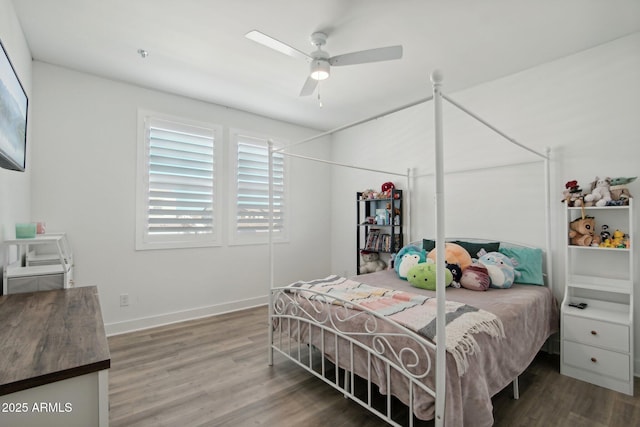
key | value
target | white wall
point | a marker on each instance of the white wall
(84, 183)
(585, 107)
(15, 187)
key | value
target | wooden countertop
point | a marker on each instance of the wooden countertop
(50, 336)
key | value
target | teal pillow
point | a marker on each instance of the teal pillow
(474, 247)
(529, 264)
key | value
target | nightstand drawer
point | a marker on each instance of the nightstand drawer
(603, 362)
(595, 332)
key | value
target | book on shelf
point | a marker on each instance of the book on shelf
(381, 242)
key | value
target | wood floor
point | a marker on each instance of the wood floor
(214, 372)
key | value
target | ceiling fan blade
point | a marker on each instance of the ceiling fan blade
(277, 45)
(309, 86)
(364, 56)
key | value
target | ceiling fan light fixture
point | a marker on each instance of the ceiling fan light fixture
(319, 69)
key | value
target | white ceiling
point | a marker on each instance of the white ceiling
(197, 48)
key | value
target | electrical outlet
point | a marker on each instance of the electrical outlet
(124, 300)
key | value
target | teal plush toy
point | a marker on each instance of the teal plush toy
(423, 276)
(408, 257)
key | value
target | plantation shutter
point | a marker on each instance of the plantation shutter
(181, 181)
(252, 192)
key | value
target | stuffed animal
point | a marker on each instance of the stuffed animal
(600, 193)
(407, 257)
(368, 194)
(456, 274)
(618, 239)
(371, 262)
(396, 211)
(581, 231)
(604, 233)
(454, 254)
(619, 191)
(387, 188)
(500, 267)
(475, 277)
(572, 194)
(423, 276)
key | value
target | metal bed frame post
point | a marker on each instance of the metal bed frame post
(441, 362)
(547, 201)
(271, 257)
(407, 207)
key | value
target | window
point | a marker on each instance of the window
(250, 188)
(176, 193)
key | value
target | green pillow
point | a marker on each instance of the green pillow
(474, 247)
(529, 264)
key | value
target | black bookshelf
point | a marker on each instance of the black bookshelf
(379, 225)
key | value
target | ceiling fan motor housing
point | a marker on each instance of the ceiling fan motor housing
(320, 69)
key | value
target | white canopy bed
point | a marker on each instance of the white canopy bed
(327, 335)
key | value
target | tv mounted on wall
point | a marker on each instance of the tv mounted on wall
(13, 116)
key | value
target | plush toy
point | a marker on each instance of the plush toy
(454, 254)
(423, 276)
(606, 243)
(475, 277)
(572, 194)
(371, 262)
(581, 231)
(407, 257)
(387, 188)
(396, 211)
(619, 191)
(604, 233)
(368, 194)
(618, 239)
(600, 193)
(500, 267)
(456, 274)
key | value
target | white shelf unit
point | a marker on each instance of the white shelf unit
(597, 341)
(45, 262)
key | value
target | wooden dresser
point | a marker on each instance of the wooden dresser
(54, 359)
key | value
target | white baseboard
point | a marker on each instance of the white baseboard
(117, 328)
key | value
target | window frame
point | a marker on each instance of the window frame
(144, 241)
(235, 238)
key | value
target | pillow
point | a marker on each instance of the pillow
(474, 247)
(529, 264)
(428, 245)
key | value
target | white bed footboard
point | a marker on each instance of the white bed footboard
(325, 335)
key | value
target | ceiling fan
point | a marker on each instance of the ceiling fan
(320, 60)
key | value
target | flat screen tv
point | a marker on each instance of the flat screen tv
(13, 116)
